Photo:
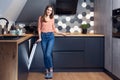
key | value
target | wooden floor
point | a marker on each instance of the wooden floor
(71, 76)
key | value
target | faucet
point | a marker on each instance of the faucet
(7, 22)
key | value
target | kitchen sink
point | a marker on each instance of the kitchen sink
(10, 37)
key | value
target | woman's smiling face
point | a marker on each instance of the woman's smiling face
(49, 11)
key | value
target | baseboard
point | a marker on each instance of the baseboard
(69, 70)
(111, 75)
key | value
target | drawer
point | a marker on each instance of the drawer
(68, 59)
(69, 44)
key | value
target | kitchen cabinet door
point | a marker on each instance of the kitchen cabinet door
(23, 60)
(68, 59)
(94, 52)
(116, 57)
(69, 44)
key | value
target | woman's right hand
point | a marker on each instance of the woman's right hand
(38, 40)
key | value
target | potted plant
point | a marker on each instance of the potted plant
(84, 28)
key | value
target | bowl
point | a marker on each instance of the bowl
(13, 32)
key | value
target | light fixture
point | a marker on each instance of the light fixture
(84, 4)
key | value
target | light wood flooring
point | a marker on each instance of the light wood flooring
(71, 76)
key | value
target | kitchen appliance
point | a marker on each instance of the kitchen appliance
(66, 7)
(5, 28)
(0, 29)
(116, 23)
(32, 55)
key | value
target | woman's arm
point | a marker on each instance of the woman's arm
(56, 30)
(39, 29)
(59, 33)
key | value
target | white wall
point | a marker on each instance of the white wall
(116, 45)
(116, 4)
(4, 4)
(103, 24)
(11, 9)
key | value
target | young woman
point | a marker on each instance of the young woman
(46, 29)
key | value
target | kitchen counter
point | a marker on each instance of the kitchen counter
(27, 36)
(13, 66)
(79, 34)
(70, 49)
(23, 38)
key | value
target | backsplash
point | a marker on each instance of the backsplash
(71, 23)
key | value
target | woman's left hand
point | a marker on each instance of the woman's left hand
(60, 33)
(64, 34)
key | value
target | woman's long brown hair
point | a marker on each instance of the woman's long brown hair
(51, 15)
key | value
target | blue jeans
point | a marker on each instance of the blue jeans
(47, 44)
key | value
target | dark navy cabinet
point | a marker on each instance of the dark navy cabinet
(23, 51)
(94, 52)
(69, 52)
(69, 44)
(68, 59)
(78, 52)
(73, 52)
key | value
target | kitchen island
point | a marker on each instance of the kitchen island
(71, 53)
(14, 57)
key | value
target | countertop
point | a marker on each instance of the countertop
(27, 36)
(79, 34)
